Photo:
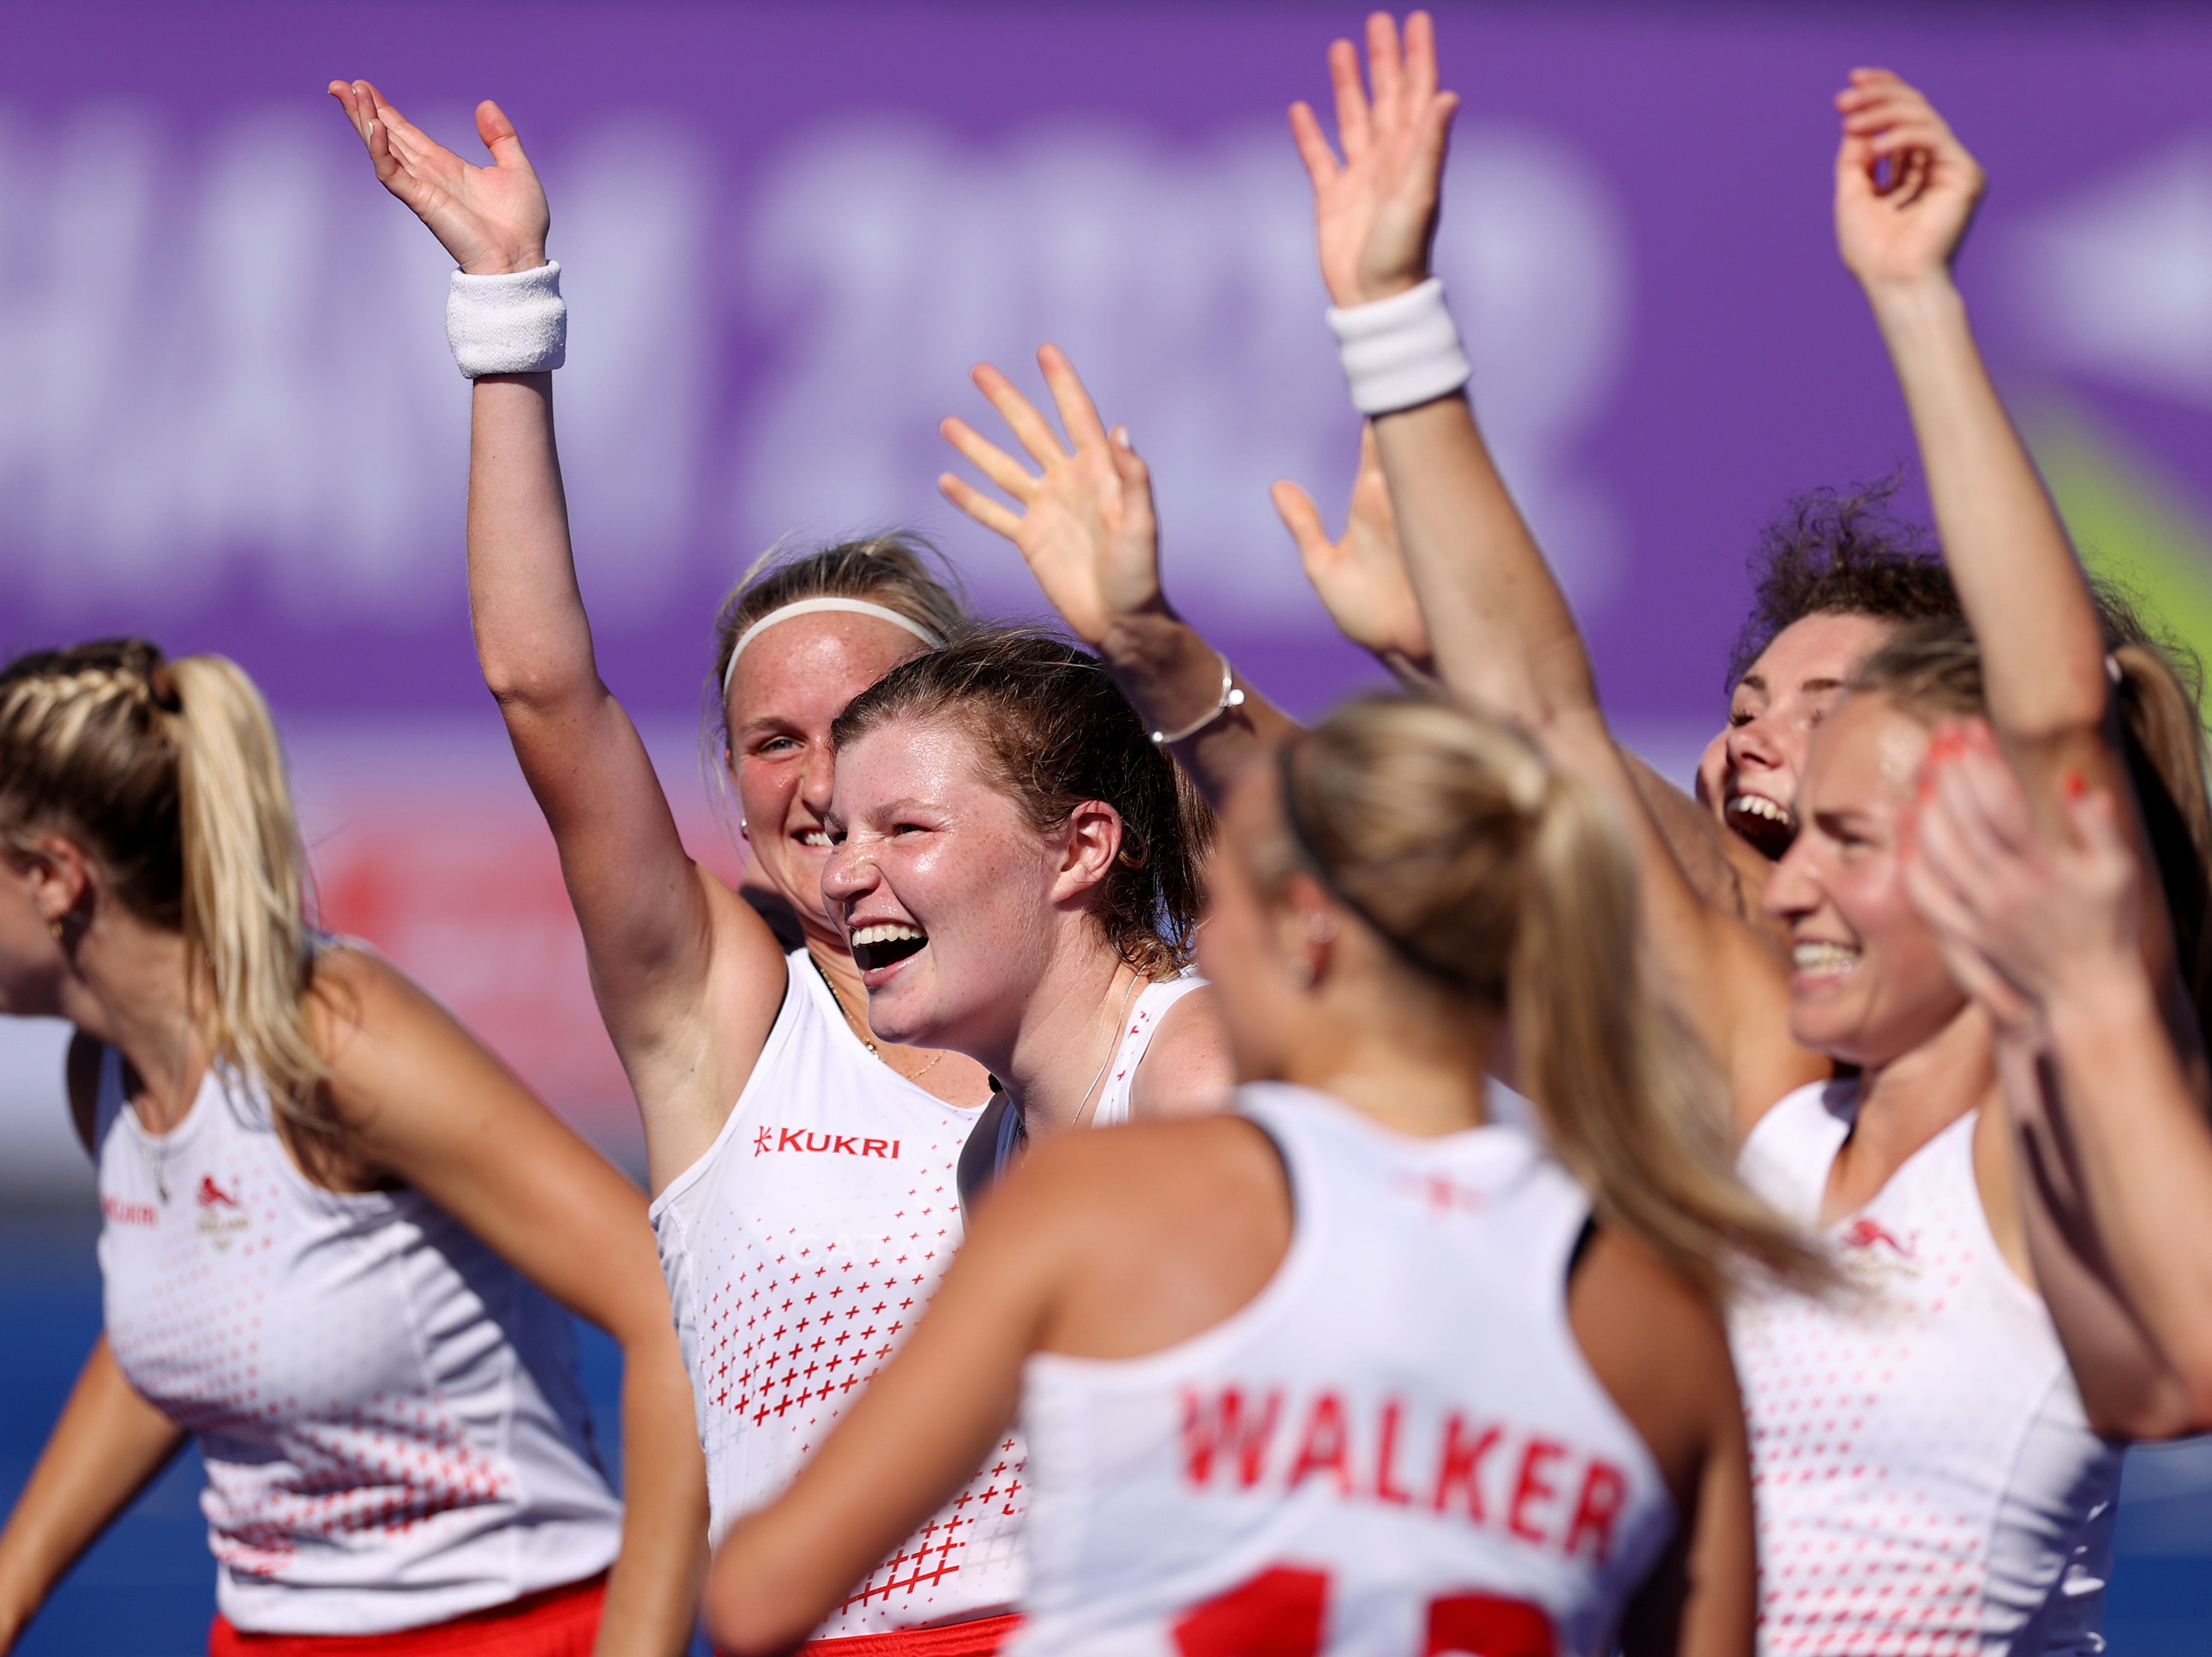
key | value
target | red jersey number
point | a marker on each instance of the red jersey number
(1280, 1613)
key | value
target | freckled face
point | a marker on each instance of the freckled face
(946, 890)
(1239, 949)
(791, 684)
(1867, 983)
(1754, 769)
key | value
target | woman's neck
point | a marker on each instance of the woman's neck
(952, 1076)
(130, 989)
(1055, 1066)
(1424, 1078)
(1906, 1102)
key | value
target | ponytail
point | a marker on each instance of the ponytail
(1631, 1109)
(1502, 885)
(170, 775)
(244, 911)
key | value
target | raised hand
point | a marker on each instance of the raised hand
(1905, 187)
(1376, 212)
(1087, 528)
(2021, 916)
(1361, 577)
(492, 219)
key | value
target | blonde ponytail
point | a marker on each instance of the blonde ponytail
(1502, 883)
(170, 774)
(1631, 1109)
(245, 874)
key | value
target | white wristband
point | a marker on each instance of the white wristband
(1402, 351)
(512, 325)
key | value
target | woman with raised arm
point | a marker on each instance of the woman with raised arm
(334, 1226)
(1961, 1404)
(1351, 1370)
(1086, 531)
(781, 1131)
(2043, 926)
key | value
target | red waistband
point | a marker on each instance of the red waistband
(980, 1636)
(559, 1622)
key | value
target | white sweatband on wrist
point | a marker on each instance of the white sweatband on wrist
(513, 324)
(1402, 351)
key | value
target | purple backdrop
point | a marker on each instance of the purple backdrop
(228, 417)
(229, 422)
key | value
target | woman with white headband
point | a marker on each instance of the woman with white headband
(803, 1172)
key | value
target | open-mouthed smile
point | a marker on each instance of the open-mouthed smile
(886, 943)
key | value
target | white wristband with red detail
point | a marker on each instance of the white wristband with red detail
(1400, 352)
(512, 325)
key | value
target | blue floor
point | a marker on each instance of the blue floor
(147, 1589)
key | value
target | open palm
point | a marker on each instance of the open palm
(492, 219)
(1375, 213)
(1906, 188)
(1361, 577)
(1086, 529)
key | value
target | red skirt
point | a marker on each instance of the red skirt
(557, 1623)
(982, 1636)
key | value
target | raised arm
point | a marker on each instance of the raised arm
(663, 936)
(1087, 532)
(1500, 629)
(1905, 193)
(1362, 582)
(2043, 928)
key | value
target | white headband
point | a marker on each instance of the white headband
(815, 607)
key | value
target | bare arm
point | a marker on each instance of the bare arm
(1087, 532)
(108, 1445)
(1906, 190)
(1499, 626)
(436, 1110)
(2115, 1154)
(663, 936)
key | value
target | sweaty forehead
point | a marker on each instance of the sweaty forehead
(800, 667)
(1866, 755)
(908, 758)
(1818, 651)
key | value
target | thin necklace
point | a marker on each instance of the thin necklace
(153, 1148)
(855, 1025)
(1113, 1046)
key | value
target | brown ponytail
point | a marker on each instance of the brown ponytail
(171, 775)
(1502, 882)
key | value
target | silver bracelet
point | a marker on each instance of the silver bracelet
(1230, 697)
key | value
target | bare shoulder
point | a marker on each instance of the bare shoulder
(1187, 1070)
(81, 1072)
(357, 993)
(1155, 1232)
(1659, 1347)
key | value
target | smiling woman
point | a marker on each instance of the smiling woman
(779, 1129)
(1016, 862)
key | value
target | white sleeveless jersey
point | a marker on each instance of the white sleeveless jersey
(1395, 1448)
(389, 1413)
(1926, 1479)
(1145, 1013)
(799, 1251)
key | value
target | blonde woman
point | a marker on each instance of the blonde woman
(1352, 1370)
(1938, 1465)
(335, 1227)
(780, 1125)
